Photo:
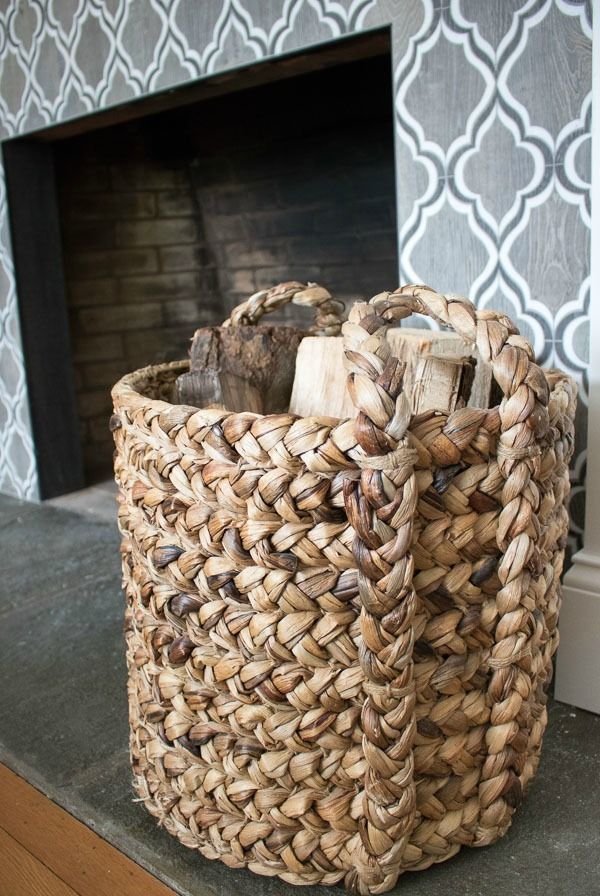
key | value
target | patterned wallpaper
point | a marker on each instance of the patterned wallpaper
(492, 110)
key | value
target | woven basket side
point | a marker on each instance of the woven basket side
(169, 499)
(237, 538)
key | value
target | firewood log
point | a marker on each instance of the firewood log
(241, 368)
(218, 389)
(441, 384)
(320, 382)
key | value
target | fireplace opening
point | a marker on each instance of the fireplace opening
(164, 223)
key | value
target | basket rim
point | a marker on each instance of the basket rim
(326, 446)
(128, 387)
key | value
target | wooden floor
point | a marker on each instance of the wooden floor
(44, 851)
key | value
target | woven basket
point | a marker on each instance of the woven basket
(340, 632)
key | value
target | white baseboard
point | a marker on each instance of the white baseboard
(578, 661)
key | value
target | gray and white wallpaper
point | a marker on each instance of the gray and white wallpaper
(492, 112)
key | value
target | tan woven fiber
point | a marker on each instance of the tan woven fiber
(340, 633)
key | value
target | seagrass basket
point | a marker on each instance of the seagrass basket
(340, 633)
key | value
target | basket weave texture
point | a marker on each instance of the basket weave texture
(340, 632)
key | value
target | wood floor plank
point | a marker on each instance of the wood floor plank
(74, 853)
(21, 874)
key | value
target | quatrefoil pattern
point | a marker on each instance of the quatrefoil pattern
(492, 107)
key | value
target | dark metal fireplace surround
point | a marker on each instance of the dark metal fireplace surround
(133, 226)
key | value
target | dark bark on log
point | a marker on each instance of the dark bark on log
(241, 368)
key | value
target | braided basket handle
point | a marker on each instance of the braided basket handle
(524, 410)
(381, 505)
(328, 312)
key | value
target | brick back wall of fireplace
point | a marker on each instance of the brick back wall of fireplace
(137, 276)
(168, 223)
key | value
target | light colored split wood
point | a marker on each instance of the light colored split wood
(319, 388)
(440, 384)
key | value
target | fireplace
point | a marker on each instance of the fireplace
(492, 127)
(132, 233)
